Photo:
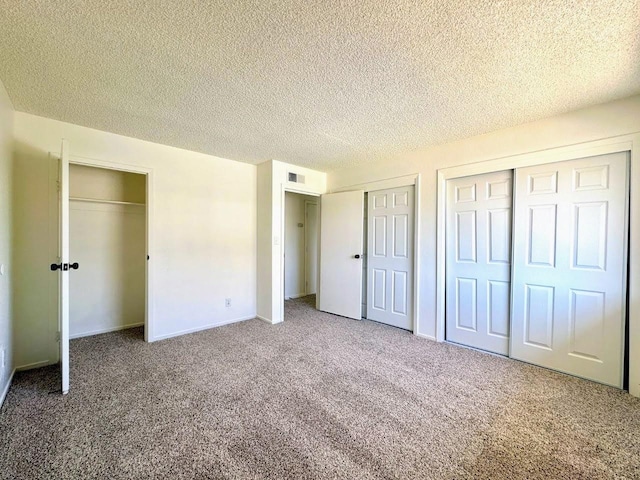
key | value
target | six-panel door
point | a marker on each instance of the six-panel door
(390, 256)
(478, 261)
(569, 276)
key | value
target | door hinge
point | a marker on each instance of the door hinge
(57, 336)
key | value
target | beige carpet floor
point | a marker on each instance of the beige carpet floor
(318, 396)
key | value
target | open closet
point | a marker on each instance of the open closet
(107, 237)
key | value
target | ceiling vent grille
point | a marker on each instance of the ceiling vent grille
(296, 177)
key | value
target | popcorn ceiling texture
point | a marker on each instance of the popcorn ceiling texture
(322, 84)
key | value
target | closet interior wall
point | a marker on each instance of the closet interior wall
(108, 240)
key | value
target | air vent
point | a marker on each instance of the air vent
(296, 177)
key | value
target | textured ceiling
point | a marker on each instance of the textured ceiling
(318, 83)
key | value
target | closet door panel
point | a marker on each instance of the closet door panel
(390, 256)
(569, 251)
(478, 265)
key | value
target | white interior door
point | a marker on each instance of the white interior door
(341, 234)
(478, 261)
(569, 271)
(311, 246)
(63, 229)
(390, 257)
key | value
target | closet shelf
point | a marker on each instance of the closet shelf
(95, 200)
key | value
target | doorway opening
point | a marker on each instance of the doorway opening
(301, 247)
(108, 239)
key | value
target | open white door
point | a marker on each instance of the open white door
(63, 266)
(341, 238)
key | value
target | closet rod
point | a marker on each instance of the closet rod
(95, 200)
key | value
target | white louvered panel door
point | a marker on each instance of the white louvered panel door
(478, 261)
(570, 266)
(390, 256)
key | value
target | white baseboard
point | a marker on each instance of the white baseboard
(5, 390)
(297, 295)
(105, 330)
(199, 329)
(264, 319)
(31, 366)
(422, 335)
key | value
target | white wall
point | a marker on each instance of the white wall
(107, 292)
(106, 184)
(265, 239)
(203, 231)
(6, 229)
(294, 246)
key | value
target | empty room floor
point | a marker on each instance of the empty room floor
(318, 396)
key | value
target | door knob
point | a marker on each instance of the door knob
(356, 256)
(64, 266)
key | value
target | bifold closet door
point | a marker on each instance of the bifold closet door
(478, 261)
(568, 297)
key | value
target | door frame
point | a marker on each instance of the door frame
(149, 203)
(301, 191)
(624, 143)
(306, 236)
(403, 181)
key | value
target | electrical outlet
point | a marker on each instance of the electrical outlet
(227, 302)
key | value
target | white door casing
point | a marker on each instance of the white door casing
(390, 226)
(63, 229)
(569, 266)
(341, 235)
(478, 261)
(311, 246)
